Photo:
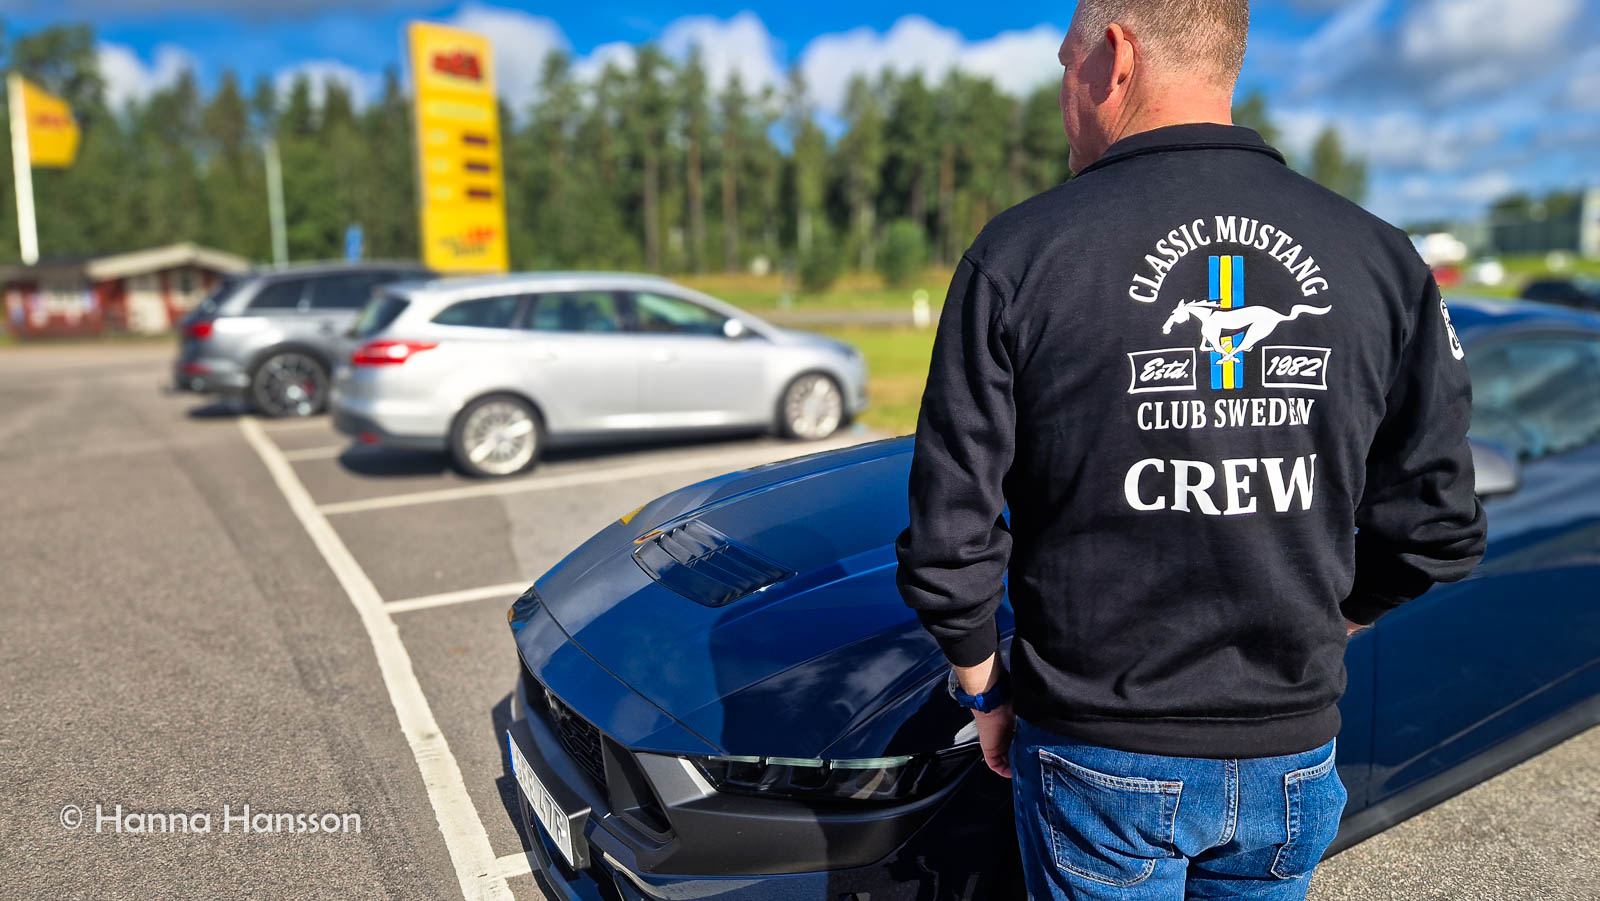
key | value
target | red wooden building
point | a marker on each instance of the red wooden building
(143, 291)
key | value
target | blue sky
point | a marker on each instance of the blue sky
(1454, 102)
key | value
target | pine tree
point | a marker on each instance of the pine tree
(692, 98)
(1333, 169)
(863, 151)
(731, 128)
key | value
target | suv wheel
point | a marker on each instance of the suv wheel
(289, 383)
(498, 435)
(812, 408)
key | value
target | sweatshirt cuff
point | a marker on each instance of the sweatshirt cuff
(969, 648)
(1364, 608)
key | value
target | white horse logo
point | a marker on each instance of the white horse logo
(1256, 323)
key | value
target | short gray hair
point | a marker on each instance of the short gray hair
(1200, 36)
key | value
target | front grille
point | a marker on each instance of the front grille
(579, 737)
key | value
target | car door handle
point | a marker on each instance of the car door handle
(543, 356)
(664, 356)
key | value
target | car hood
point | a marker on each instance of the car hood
(814, 339)
(812, 665)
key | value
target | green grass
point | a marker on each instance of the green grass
(853, 291)
(1522, 269)
(897, 358)
(897, 370)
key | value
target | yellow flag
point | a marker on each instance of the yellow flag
(52, 132)
(458, 150)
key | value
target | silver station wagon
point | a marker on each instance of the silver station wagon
(494, 368)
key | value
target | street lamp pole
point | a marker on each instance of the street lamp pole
(280, 240)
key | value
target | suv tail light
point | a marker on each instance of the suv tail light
(199, 330)
(386, 353)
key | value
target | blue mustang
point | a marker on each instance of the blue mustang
(722, 695)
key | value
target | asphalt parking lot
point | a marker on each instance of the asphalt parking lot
(204, 610)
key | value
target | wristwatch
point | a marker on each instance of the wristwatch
(983, 702)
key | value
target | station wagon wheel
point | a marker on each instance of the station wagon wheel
(499, 435)
(289, 383)
(812, 408)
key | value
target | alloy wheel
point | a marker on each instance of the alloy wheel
(813, 407)
(290, 384)
(499, 437)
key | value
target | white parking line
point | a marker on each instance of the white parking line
(513, 865)
(504, 590)
(274, 426)
(325, 452)
(724, 460)
(477, 869)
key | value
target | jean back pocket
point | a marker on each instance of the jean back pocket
(1314, 798)
(1105, 828)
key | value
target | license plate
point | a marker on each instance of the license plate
(557, 824)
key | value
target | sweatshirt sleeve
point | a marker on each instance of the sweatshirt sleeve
(1419, 519)
(953, 557)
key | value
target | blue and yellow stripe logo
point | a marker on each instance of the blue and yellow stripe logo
(1227, 287)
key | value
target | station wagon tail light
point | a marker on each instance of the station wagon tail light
(866, 779)
(388, 353)
(199, 330)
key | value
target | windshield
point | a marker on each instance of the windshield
(379, 313)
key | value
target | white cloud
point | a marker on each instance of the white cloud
(1319, 6)
(1452, 102)
(1341, 45)
(1394, 138)
(1433, 51)
(319, 73)
(1446, 32)
(1583, 91)
(1468, 49)
(253, 9)
(616, 53)
(741, 44)
(1422, 197)
(1017, 60)
(129, 80)
(521, 42)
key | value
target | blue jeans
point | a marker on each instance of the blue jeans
(1097, 824)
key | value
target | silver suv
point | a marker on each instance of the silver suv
(491, 369)
(274, 335)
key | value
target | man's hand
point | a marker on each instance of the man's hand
(996, 727)
(1351, 628)
(995, 730)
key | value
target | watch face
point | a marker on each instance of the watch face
(953, 685)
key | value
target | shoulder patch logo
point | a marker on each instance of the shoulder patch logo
(1455, 342)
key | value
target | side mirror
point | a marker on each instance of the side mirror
(1497, 469)
(734, 329)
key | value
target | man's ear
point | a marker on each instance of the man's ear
(1123, 56)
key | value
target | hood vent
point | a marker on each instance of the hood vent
(705, 565)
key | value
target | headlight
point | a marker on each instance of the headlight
(860, 779)
(850, 351)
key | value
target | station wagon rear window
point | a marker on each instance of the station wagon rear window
(487, 312)
(379, 314)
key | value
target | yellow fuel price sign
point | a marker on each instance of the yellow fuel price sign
(461, 185)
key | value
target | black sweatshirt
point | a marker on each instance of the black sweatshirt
(1224, 406)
